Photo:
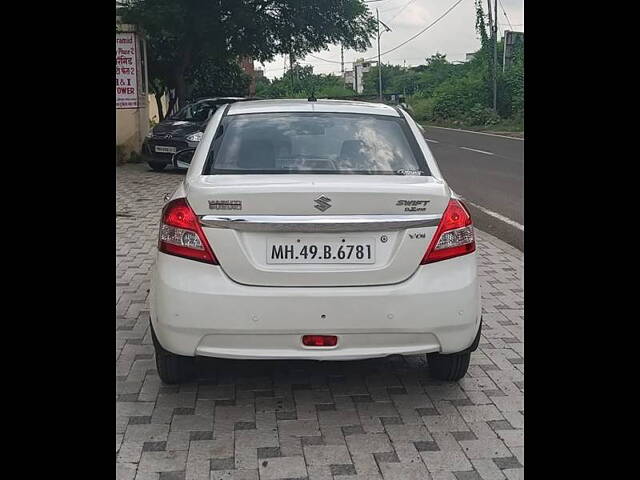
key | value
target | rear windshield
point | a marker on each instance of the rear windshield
(328, 143)
(196, 112)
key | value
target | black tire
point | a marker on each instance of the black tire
(172, 368)
(157, 166)
(450, 367)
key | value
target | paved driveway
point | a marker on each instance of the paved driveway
(373, 419)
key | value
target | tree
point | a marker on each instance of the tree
(262, 86)
(370, 79)
(513, 79)
(215, 79)
(422, 79)
(184, 33)
(305, 85)
(484, 57)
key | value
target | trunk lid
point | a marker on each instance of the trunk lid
(373, 229)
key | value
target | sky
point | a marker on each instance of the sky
(454, 35)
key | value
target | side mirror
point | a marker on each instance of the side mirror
(182, 159)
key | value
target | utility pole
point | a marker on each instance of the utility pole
(379, 63)
(291, 65)
(504, 49)
(355, 75)
(342, 60)
(495, 56)
(493, 29)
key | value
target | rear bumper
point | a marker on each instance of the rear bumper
(197, 310)
(148, 155)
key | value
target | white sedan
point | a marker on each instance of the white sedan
(314, 229)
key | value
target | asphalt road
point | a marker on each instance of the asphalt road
(488, 172)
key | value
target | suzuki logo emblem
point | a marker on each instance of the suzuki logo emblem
(322, 203)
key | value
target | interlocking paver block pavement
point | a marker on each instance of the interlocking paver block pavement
(381, 418)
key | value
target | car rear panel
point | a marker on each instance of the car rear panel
(150, 145)
(246, 307)
(243, 250)
(197, 310)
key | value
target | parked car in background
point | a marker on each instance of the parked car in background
(180, 131)
(319, 230)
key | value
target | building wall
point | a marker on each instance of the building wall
(354, 77)
(153, 107)
(132, 124)
(128, 134)
(349, 79)
(246, 63)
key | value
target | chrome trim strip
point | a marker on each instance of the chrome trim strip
(319, 223)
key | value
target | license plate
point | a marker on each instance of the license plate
(340, 250)
(161, 149)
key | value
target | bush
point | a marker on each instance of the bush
(333, 91)
(481, 115)
(422, 108)
(455, 98)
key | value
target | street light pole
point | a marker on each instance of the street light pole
(387, 29)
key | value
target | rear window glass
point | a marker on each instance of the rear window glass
(196, 112)
(328, 143)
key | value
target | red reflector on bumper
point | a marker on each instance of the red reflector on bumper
(319, 340)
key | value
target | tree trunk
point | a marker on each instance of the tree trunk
(172, 103)
(181, 69)
(181, 88)
(159, 96)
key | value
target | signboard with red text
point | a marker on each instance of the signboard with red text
(126, 71)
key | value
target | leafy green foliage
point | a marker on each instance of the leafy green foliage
(421, 80)
(182, 34)
(455, 98)
(301, 82)
(460, 94)
(422, 108)
(211, 78)
(514, 82)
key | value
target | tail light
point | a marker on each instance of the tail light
(454, 236)
(181, 234)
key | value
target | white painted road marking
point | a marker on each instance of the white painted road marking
(478, 133)
(476, 150)
(502, 218)
(432, 141)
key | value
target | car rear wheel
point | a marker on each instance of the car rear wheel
(157, 166)
(448, 367)
(172, 368)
